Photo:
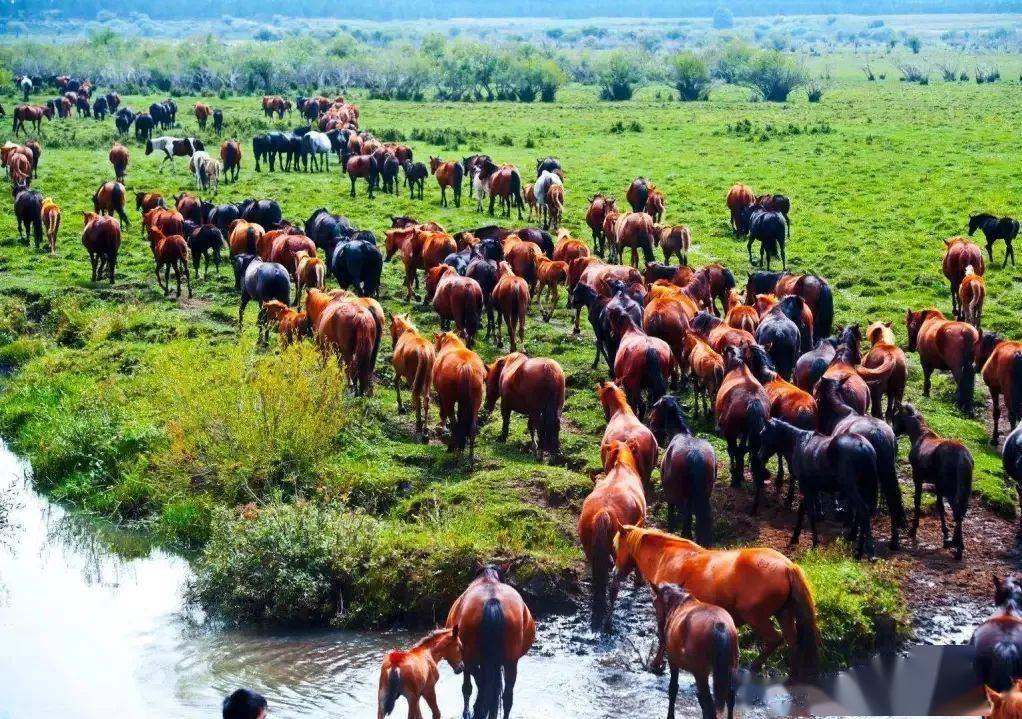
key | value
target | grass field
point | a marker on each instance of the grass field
(144, 409)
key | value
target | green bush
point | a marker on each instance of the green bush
(773, 75)
(618, 74)
(691, 76)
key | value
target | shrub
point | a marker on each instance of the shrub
(814, 91)
(914, 44)
(948, 71)
(773, 75)
(723, 18)
(869, 73)
(618, 75)
(913, 73)
(691, 76)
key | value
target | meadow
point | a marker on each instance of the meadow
(160, 413)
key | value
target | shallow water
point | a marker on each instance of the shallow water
(93, 626)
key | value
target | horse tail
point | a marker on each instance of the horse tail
(465, 420)
(700, 481)
(653, 375)
(823, 318)
(491, 655)
(1015, 388)
(423, 372)
(250, 240)
(755, 421)
(967, 379)
(602, 559)
(876, 374)
(807, 633)
(117, 196)
(365, 347)
(723, 678)
(516, 189)
(392, 690)
(471, 317)
(1005, 665)
(729, 280)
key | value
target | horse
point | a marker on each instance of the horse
(688, 470)
(419, 249)
(945, 345)
(739, 315)
(310, 273)
(351, 330)
(145, 201)
(230, 156)
(843, 464)
(202, 114)
(641, 363)
(654, 206)
(739, 198)
(362, 166)
(243, 237)
(741, 410)
(496, 630)
(326, 229)
(634, 230)
(1001, 366)
(599, 206)
(947, 464)
(28, 212)
(102, 240)
(413, 673)
(533, 387)
(291, 324)
(624, 426)
(317, 146)
(997, 642)
(752, 584)
(358, 263)
(415, 177)
(549, 164)
(638, 193)
(781, 337)
(50, 216)
(456, 299)
(261, 281)
(266, 213)
(549, 193)
(206, 170)
(459, 377)
(511, 297)
(170, 253)
(388, 173)
(814, 290)
(616, 500)
(144, 126)
(971, 293)
(810, 366)
(550, 275)
(172, 147)
(959, 254)
(554, 206)
(19, 166)
(568, 248)
(119, 159)
(448, 174)
(413, 363)
(33, 114)
(26, 87)
(506, 183)
(673, 239)
(523, 258)
(205, 241)
(771, 230)
(1006, 704)
(218, 122)
(719, 335)
(842, 369)
(480, 186)
(108, 199)
(100, 108)
(594, 273)
(123, 120)
(706, 366)
(702, 639)
(996, 228)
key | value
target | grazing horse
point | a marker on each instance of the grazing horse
(997, 642)
(413, 363)
(459, 377)
(362, 166)
(884, 369)
(641, 363)
(624, 426)
(504, 182)
(456, 299)
(496, 630)
(205, 241)
(260, 281)
(119, 159)
(739, 199)
(50, 216)
(674, 240)
(741, 410)
(971, 293)
(616, 500)
(687, 472)
(33, 114)
(413, 673)
(844, 464)
(108, 199)
(1001, 366)
(533, 387)
(415, 177)
(1003, 228)
(702, 639)
(102, 240)
(771, 230)
(448, 174)
(634, 230)
(172, 147)
(28, 211)
(944, 345)
(511, 297)
(959, 254)
(946, 464)
(599, 206)
(706, 366)
(753, 584)
(230, 156)
(169, 252)
(291, 324)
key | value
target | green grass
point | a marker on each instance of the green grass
(140, 408)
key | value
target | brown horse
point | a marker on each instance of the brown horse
(719, 335)
(423, 249)
(351, 331)
(523, 257)
(655, 203)
(243, 237)
(50, 215)
(624, 426)
(568, 248)
(1006, 704)
(1001, 363)
(554, 206)
(739, 197)
(753, 585)
(668, 317)
(533, 387)
(634, 230)
(599, 206)
(230, 156)
(529, 193)
(741, 409)
(511, 298)
(944, 345)
(170, 252)
(119, 157)
(108, 199)
(286, 249)
(997, 642)
(843, 369)
(459, 377)
(202, 113)
(456, 299)
(496, 630)
(169, 222)
(413, 673)
(102, 240)
(33, 114)
(364, 166)
(615, 500)
(550, 275)
(505, 183)
(310, 273)
(819, 300)
(884, 368)
(706, 367)
(642, 363)
(291, 325)
(413, 363)
(145, 201)
(702, 639)
(448, 174)
(739, 315)
(673, 240)
(971, 293)
(959, 254)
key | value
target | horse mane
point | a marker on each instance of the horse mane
(637, 535)
(429, 638)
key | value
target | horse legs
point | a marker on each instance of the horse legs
(995, 399)
(429, 694)
(943, 519)
(510, 677)
(955, 310)
(1009, 251)
(672, 692)
(466, 691)
(705, 700)
(505, 419)
(749, 248)
(927, 371)
(686, 519)
(732, 451)
(800, 516)
(772, 638)
(352, 185)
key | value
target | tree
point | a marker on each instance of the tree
(722, 18)
(691, 76)
(618, 74)
(913, 43)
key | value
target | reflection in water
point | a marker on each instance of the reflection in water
(92, 627)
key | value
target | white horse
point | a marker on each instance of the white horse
(480, 188)
(319, 146)
(26, 87)
(545, 181)
(206, 170)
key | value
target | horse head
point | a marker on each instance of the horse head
(1008, 593)
(667, 597)
(667, 418)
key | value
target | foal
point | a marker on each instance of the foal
(413, 673)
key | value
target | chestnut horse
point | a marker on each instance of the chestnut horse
(753, 585)
(533, 387)
(673, 240)
(448, 174)
(230, 156)
(615, 500)
(971, 293)
(310, 273)
(362, 166)
(599, 206)
(50, 215)
(944, 344)
(202, 113)
(459, 377)
(884, 369)
(496, 630)
(119, 159)
(702, 639)
(641, 364)
(634, 230)
(102, 240)
(654, 206)
(550, 275)
(291, 325)
(842, 368)
(511, 298)
(741, 410)
(739, 315)
(1001, 363)
(413, 363)
(413, 673)
(997, 642)
(108, 199)
(959, 254)
(170, 252)
(243, 237)
(568, 248)
(624, 426)
(706, 367)
(145, 201)
(739, 198)
(456, 299)
(504, 182)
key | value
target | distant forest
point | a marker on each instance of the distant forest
(444, 9)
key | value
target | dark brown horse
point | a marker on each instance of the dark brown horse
(102, 240)
(364, 166)
(842, 369)
(456, 299)
(742, 409)
(634, 230)
(33, 114)
(642, 363)
(448, 174)
(960, 253)
(997, 642)
(533, 387)
(108, 199)
(230, 156)
(504, 182)
(1001, 366)
(599, 206)
(119, 159)
(945, 345)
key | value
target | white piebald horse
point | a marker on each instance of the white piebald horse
(545, 181)
(173, 147)
(26, 87)
(206, 170)
(480, 188)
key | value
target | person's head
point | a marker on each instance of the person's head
(244, 704)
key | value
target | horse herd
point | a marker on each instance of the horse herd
(768, 364)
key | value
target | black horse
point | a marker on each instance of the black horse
(996, 228)
(222, 216)
(218, 121)
(844, 464)
(260, 281)
(206, 241)
(483, 270)
(415, 177)
(549, 164)
(601, 312)
(100, 108)
(326, 230)
(997, 642)
(688, 470)
(811, 365)
(461, 259)
(771, 230)
(263, 212)
(358, 263)
(160, 112)
(28, 207)
(144, 126)
(388, 174)
(1011, 458)
(781, 338)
